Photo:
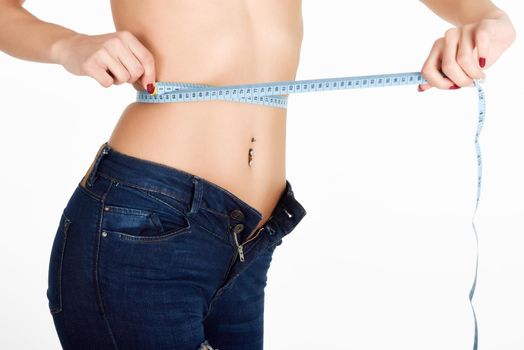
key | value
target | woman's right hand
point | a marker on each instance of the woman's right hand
(112, 58)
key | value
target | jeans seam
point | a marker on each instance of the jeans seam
(95, 266)
(222, 284)
(111, 335)
(64, 228)
(147, 189)
(97, 252)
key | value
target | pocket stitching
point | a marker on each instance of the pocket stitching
(154, 219)
(165, 203)
(146, 239)
(120, 209)
(145, 190)
(149, 213)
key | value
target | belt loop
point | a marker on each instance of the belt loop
(197, 194)
(103, 150)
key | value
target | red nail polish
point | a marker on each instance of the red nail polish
(454, 87)
(482, 62)
(150, 88)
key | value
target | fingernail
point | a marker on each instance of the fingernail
(419, 88)
(151, 88)
(454, 87)
(482, 62)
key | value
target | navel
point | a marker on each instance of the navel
(250, 153)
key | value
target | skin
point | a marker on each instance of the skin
(223, 43)
(480, 30)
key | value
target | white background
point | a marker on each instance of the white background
(384, 258)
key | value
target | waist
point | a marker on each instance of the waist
(240, 147)
(210, 126)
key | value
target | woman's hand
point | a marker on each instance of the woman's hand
(464, 51)
(112, 58)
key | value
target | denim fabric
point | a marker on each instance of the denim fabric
(146, 257)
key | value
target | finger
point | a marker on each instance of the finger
(431, 68)
(482, 44)
(100, 74)
(129, 61)
(466, 57)
(450, 66)
(146, 60)
(423, 87)
(118, 71)
(133, 66)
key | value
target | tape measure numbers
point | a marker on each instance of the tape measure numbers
(270, 94)
(274, 94)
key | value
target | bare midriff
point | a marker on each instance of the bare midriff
(217, 43)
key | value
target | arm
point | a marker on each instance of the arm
(460, 12)
(112, 58)
(24, 36)
(482, 32)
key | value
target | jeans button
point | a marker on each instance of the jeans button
(238, 228)
(237, 214)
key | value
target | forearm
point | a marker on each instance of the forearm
(461, 12)
(24, 36)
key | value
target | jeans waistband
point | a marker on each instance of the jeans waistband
(189, 188)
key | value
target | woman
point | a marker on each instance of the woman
(167, 240)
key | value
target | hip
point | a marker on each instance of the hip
(137, 238)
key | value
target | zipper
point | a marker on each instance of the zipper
(240, 247)
(254, 236)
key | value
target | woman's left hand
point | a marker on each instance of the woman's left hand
(464, 51)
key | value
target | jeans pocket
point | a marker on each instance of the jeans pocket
(54, 284)
(143, 215)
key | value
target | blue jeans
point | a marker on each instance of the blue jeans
(147, 256)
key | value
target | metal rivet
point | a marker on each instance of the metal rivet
(104, 233)
(237, 214)
(106, 208)
(288, 213)
(238, 228)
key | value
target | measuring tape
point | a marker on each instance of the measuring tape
(273, 94)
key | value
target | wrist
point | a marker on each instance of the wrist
(467, 16)
(495, 13)
(61, 47)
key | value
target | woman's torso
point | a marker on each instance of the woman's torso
(217, 43)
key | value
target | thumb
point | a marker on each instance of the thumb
(148, 83)
(482, 45)
(147, 80)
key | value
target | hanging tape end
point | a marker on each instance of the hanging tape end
(481, 81)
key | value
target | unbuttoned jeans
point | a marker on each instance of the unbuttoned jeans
(150, 257)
